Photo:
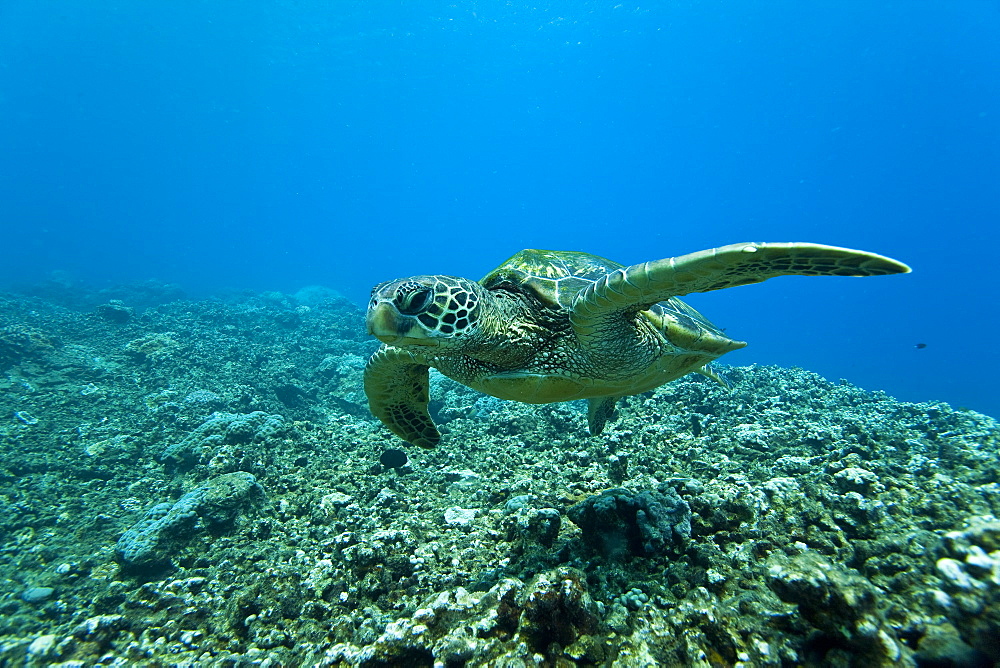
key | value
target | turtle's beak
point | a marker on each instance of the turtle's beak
(383, 322)
(388, 325)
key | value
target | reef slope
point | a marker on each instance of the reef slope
(199, 483)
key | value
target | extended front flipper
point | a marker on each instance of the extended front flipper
(397, 385)
(640, 286)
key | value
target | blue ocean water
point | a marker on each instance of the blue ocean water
(272, 145)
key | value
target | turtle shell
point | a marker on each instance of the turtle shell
(554, 277)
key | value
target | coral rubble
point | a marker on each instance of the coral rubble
(200, 483)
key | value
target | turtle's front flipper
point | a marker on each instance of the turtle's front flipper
(397, 386)
(640, 286)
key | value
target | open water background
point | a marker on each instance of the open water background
(271, 145)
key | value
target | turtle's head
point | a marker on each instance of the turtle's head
(441, 311)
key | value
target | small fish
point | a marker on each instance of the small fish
(393, 459)
(920, 345)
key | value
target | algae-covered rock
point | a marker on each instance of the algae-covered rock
(115, 311)
(841, 604)
(221, 441)
(152, 347)
(166, 527)
(20, 342)
(970, 581)
(226, 496)
(534, 526)
(140, 544)
(556, 607)
(618, 522)
(553, 614)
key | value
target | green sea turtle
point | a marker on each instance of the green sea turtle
(549, 326)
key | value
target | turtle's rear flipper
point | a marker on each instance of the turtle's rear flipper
(600, 411)
(640, 286)
(397, 386)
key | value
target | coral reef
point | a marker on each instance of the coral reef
(226, 441)
(200, 483)
(619, 523)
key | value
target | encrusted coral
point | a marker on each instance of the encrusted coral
(841, 604)
(552, 616)
(115, 311)
(220, 441)
(152, 346)
(154, 538)
(619, 522)
(19, 342)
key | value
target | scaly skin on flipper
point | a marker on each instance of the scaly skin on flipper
(397, 386)
(642, 285)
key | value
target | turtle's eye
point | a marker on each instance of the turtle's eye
(414, 301)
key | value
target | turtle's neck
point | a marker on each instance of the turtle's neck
(510, 333)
